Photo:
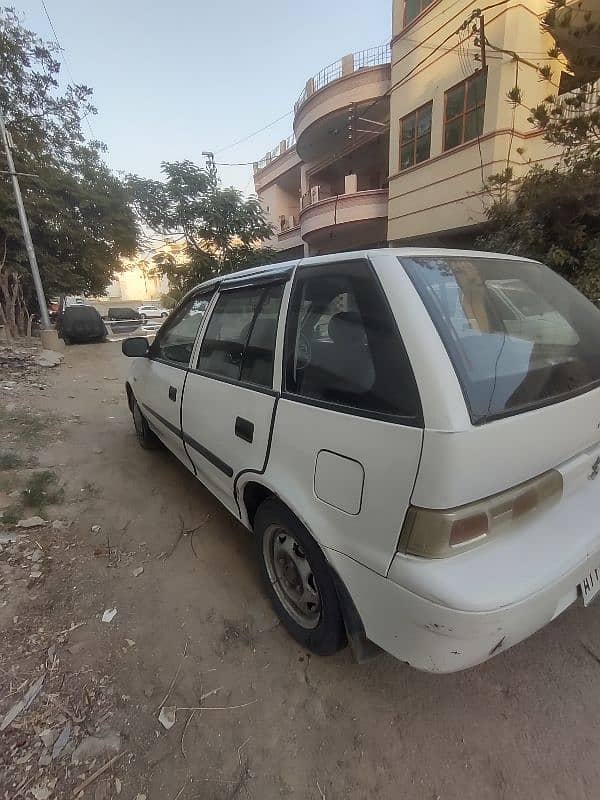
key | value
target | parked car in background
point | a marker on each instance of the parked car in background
(412, 435)
(80, 323)
(152, 311)
(122, 319)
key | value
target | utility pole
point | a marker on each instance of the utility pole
(37, 282)
(211, 167)
(482, 41)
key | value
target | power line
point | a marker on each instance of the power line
(66, 60)
(255, 133)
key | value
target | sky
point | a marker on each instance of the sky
(172, 79)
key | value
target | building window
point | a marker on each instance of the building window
(465, 108)
(412, 9)
(415, 137)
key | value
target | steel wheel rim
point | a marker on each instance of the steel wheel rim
(291, 576)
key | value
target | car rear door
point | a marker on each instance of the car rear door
(348, 433)
(229, 400)
(158, 380)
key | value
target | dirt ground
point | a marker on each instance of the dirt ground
(272, 721)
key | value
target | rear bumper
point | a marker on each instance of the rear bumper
(435, 638)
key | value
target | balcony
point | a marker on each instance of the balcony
(328, 112)
(344, 221)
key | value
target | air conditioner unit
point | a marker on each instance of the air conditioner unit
(314, 194)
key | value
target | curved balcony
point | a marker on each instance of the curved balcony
(360, 217)
(321, 121)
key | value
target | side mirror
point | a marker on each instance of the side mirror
(136, 347)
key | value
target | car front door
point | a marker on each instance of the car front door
(229, 401)
(158, 380)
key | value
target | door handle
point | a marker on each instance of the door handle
(244, 429)
(172, 393)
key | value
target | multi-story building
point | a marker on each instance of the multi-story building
(395, 144)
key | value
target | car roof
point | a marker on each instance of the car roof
(283, 267)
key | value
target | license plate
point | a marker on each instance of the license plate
(590, 586)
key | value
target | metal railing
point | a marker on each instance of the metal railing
(276, 152)
(363, 59)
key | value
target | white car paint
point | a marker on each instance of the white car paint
(350, 480)
(153, 311)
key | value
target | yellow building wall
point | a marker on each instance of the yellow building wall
(447, 193)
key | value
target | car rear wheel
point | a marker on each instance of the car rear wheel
(298, 580)
(146, 438)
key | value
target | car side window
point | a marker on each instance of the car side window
(239, 343)
(342, 344)
(175, 340)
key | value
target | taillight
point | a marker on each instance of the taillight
(439, 534)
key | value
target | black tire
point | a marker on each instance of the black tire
(146, 438)
(163, 315)
(327, 635)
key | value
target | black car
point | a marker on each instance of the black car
(80, 323)
(122, 319)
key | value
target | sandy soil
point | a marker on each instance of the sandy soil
(275, 721)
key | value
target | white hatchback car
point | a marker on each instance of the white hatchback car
(416, 458)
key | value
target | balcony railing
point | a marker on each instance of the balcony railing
(280, 150)
(373, 57)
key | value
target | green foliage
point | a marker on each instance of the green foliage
(11, 515)
(9, 460)
(42, 490)
(553, 216)
(80, 220)
(220, 227)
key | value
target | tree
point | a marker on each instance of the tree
(219, 227)
(79, 214)
(553, 214)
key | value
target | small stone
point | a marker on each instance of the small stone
(148, 691)
(96, 528)
(137, 572)
(48, 358)
(35, 573)
(130, 642)
(118, 786)
(168, 716)
(97, 451)
(95, 746)
(109, 615)
(59, 525)
(31, 522)
(37, 555)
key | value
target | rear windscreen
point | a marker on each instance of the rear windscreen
(518, 335)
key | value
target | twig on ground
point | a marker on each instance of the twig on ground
(23, 786)
(210, 694)
(321, 792)
(183, 531)
(68, 630)
(174, 681)
(101, 770)
(180, 792)
(240, 748)
(217, 708)
(183, 732)
(589, 650)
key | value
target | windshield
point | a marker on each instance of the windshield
(518, 335)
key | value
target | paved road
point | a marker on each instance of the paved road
(524, 725)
